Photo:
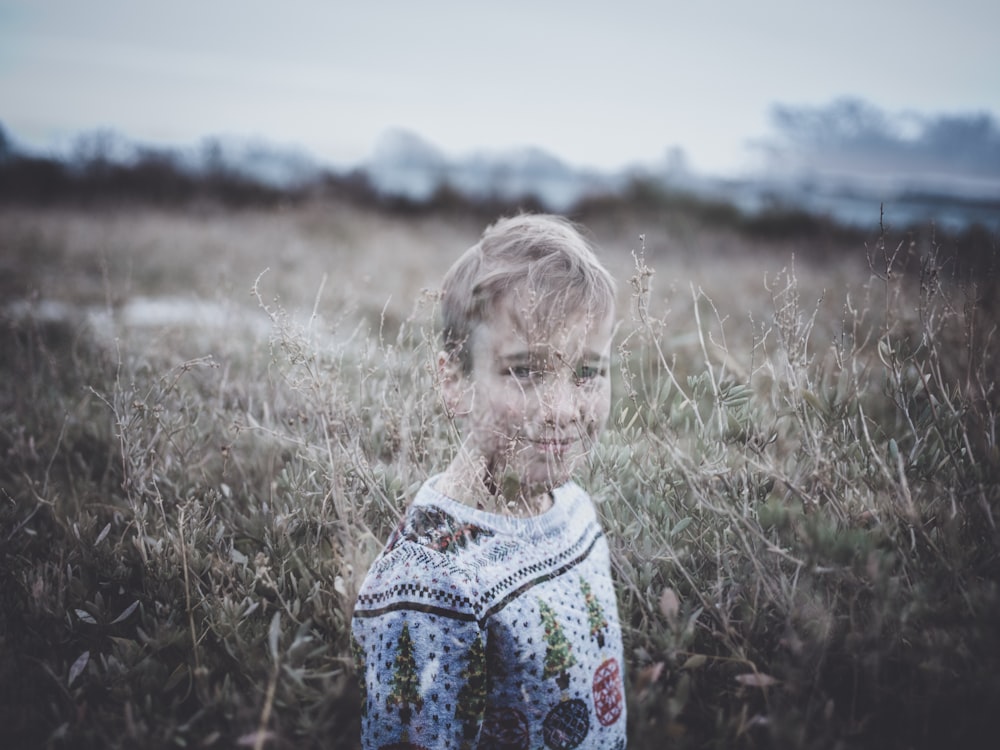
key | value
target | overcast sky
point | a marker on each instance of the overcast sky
(600, 84)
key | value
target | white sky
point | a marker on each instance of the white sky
(596, 83)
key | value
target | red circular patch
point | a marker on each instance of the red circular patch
(504, 729)
(608, 693)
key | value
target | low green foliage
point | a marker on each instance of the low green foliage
(803, 517)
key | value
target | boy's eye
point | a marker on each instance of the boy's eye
(584, 373)
(523, 372)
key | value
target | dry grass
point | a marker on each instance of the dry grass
(800, 480)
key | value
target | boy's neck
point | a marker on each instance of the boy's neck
(470, 482)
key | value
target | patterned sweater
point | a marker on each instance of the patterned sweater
(475, 630)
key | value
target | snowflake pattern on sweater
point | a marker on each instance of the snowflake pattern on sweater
(474, 630)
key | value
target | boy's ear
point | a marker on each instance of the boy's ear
(454, 389)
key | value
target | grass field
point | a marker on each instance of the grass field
(212, 418)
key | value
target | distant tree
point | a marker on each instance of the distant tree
(98, 150)
(856, 135)
(6, 147)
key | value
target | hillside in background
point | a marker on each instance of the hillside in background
(848, 164)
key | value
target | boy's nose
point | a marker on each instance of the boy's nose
(560, 404)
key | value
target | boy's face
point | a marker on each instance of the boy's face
(537, 397)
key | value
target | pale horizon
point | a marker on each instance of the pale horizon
(595, 86)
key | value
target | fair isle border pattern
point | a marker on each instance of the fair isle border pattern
(539, 570)
(513, 594)
(417, 597)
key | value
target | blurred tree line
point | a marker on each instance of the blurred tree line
(105, 169)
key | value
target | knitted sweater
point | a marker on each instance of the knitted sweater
(475, 630)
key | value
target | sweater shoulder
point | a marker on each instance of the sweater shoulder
(424, 567)
(446, 559)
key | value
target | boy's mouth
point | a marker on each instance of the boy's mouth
(555, 446)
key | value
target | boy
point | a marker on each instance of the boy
(490, 620)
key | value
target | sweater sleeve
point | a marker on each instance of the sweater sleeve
(422, 672)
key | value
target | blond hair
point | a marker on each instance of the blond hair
(545, 259)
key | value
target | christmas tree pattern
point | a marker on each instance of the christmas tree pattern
(558, 653)
(405, 686)
(595, 614)
(359, 665)
(471, 704)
